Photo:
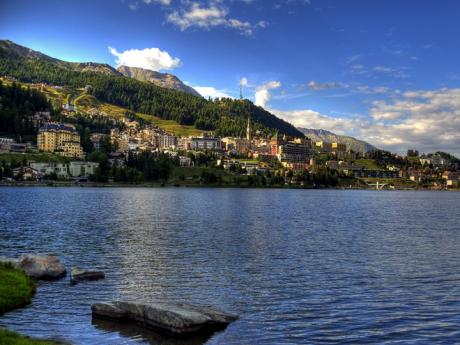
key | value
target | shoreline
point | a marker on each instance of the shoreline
(175, 185)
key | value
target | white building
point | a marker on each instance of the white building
(185, 161)
(82, 169)
(47, 168)
(64, 171)
(68, 107)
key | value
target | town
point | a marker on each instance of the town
(133, 151)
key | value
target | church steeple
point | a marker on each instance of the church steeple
(248, 130)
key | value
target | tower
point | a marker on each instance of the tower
(248, 130)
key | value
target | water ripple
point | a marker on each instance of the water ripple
(300, 267)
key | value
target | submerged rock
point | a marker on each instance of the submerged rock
(47, 267)
(175, 319)
(78, 275)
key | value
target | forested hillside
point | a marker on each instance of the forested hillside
(224, 116)
(16, 105)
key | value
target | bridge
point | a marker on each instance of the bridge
(377, 185)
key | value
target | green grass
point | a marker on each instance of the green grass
(16, 289)
(370, 164)
(396, 182)
(172, 126)
(36, 157)
(12, 338)
(192, 175)
(86, 101)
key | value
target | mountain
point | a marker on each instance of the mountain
(12, 50)
(352, 143)
(165, 80)
(225, 116)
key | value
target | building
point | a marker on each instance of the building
(185, 161)
(339, 150)
(323, 146)
(40, 118)
(416, 176)
(435, 160)
(205, 143)
(452, 178)
(70, 149)
(5, 144)
(48, 168)
(339, 147)
(275, 144)
(68, 107)
(167, 141)
(61, 137)
(20, 148)
(297, 166)
(236, 144)
(6, 141)
(96, 140)
(82, 169)
(25, 174)
(297, 151)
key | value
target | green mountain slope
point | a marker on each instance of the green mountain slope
(225, 116)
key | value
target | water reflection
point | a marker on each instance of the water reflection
(298, 266)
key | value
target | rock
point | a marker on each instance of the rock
(78, 275)
(46, 267)
(175, 319)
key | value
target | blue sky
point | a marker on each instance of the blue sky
(385, 71)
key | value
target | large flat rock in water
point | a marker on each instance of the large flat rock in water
(176, 319)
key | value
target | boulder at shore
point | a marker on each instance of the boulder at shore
(175, 319)
(46, 267)
(78, 275)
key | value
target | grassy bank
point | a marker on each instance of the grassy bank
(12, 338)
(16, 290)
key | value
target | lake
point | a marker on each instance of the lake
(298, 266)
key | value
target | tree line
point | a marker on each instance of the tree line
(17, 105)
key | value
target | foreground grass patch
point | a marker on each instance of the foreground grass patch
(16, 289)
(11, 338)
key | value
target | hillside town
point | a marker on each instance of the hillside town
(278, 159)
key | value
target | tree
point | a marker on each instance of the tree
(412, 153)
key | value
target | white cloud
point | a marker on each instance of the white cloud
(133, 6)
(161, 2)
(243, 82)
(425, 120)
(399, 72)
(205, 17)
(148, 58)
(314, 85)
(209, 91)
(263, 95)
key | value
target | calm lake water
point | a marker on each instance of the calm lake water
(298, 266)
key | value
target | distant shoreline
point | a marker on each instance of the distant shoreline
(169, 185)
